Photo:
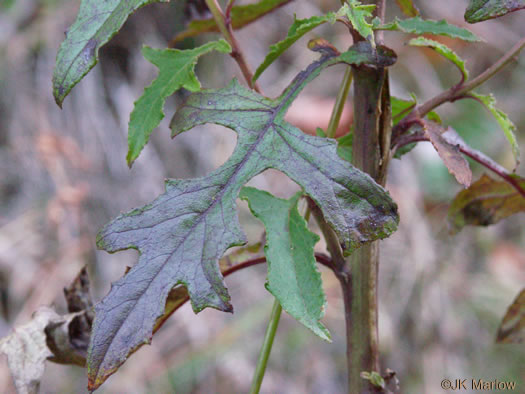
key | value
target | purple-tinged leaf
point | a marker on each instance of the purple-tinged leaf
(97, 21)
(182, 234)
(482, 10)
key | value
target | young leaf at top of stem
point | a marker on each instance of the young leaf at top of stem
(293, 278)
(241, 15)
(482, 10)
(504, 121)
(417, 25)
(96, 22)
(183, 233)
(485, 202)
(444, 51)
(358, 15)
(176, 70)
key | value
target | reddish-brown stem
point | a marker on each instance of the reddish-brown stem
(320, 258)
(459, 91)
(473, 154)
(225, 27)
(228, 11)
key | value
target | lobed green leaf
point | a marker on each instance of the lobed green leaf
(504, 121)
(241, 15)
(293, 278)
(444, 51)
(182, 234)
(176, 70)
(417, 25)
(481, 10)
(96, 22)
(484, 203)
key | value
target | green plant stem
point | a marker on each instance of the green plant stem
(456, 92)
(339, 105)
(266, 347)
(224, 25)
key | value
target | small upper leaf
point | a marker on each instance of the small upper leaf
(443, 50)
(358, 14)
(512, 328)
(176, 70)
(293, 277)
(417, 25)
(485, 202)
(481, 10)
(241, 15)
(96, 23)
(298, 29)
(183, 233)
(504, 121)
(407, 7)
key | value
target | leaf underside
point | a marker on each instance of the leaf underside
(444, 51)
(456, 164)
(176, 70)
(417, 25)
(503, 120)
(183, 233)
(241, 16)
(96, 22)
(485, 202)
(482, 10)
(293, 277)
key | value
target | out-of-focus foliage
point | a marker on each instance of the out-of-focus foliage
(512, 328)
(486, 202)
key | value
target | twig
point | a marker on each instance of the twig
(473, 154)
(228, 11)
(458, 91)
(380, 13)
(226, 30)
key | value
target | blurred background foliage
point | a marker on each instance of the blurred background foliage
(64, 175)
